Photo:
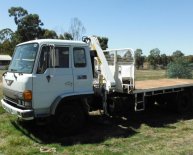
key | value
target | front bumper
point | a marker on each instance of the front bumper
(23, 114)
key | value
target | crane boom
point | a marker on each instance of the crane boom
(105, 70)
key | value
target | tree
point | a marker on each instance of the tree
(177, 54)
(6, 34)
(154, 58)
(49, 34)
(163, 60)
(28, 25)
(68, 36)
(103, 42)
(77, 29)
(179, 68)
(18, 13)
(7, 41)
(6, 47)
(139, 59)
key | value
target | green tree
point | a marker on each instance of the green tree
(103, 42)
(164, 60)
(68, 36)
(6, 41)
(6, 47)
(179, 68)
(154, 58)
(28, 25)
(139, 58)
(49, 34)
(6, 34)
(178, 53)
(18, 13)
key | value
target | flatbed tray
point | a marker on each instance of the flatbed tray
(161, 84)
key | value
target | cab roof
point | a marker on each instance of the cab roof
(56, 41)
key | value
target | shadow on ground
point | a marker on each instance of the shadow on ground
(99, 128)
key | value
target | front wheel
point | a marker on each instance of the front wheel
(69, 119)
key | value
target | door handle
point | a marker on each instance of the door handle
(48, 78)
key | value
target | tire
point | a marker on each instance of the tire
(69, 119)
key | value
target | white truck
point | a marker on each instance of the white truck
(64, 80)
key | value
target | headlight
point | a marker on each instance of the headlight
(27, 95)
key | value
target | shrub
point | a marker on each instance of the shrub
(179, 68)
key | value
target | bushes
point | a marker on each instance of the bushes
(4, 67)
(179, 68)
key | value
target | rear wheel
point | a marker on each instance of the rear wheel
(69, 119)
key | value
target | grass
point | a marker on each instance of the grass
(149, 74)
(156, 131)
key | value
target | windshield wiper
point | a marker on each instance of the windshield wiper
(13, 70)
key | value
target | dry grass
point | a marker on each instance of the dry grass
(149, 74)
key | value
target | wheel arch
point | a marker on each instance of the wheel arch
(71, 99)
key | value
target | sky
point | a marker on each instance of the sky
(145, 24)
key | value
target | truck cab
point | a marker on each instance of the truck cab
(64, 80)
(43, 73)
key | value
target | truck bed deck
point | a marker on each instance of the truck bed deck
(161, 85)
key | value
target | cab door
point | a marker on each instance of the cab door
(52, 81)
(82, 70)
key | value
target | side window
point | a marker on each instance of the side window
(79, 57)
(61, 56)
(44, 61)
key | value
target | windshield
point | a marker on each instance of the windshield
(23, 59)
